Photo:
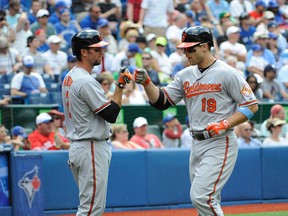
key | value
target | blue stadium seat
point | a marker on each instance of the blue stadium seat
(53, 87)
(47, 78)
(41, 98)
(56, 98)
(4, 89)
(9, 77)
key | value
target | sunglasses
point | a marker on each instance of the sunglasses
(247, 129)
(254, 82)
(143, 58)
(56, 118)
(105, 84)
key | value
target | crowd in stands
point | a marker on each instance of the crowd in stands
(35, 54)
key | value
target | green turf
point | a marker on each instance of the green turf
(284, 213)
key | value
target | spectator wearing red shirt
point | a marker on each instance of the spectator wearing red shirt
(141, 137)
(42, 138)
(258, 13)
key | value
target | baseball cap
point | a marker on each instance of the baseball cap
(272, 24)
(64, 10)
(54, 39)
(161, 41)
(273, 4)
(60, 4)
(28, 61)
(256, 47)
(272, 35)
(71, 58)
(140, 121)
(260, 34)
(275, 109)
(169, 117)
(43, 118)
(134, 48)
(224, 15)
(102, 23)
(269, 15)
(260, 2)
(274, 122)
(150, 36)
(18, 131)
(190, 14)
(232, 30)
(42, 12)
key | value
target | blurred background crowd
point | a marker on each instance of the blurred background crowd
(35, 53)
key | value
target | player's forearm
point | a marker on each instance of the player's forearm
(238, 117)
(152, 92)
(117, 96)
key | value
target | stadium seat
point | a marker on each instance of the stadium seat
(53, 87)
(4, 89)
(155, 129)
(56, 98)
(47, 78)
(41, 98)
(9, 77)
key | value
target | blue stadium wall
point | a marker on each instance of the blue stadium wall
(158, 179)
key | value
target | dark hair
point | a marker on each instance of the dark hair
(30, 39)
(257, 84)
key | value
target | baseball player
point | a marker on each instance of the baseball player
(217, 99)
(88, 114)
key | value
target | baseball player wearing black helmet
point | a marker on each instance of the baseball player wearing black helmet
(217, 98)
(88, 114)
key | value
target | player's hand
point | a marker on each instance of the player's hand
(217, 129)
(141, 76)
(124, 77)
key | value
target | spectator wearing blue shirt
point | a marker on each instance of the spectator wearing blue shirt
(41, 36)
(217, 7)
(65, 28)
(280, 17)
(246, 30)
(35, 7)
(92, 19)
(245, 138)
(56, 15)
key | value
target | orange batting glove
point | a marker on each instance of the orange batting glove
(217, 129)
(141, 76)
(124, 77)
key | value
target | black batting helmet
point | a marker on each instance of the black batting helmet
(86, 38)
(195, 35)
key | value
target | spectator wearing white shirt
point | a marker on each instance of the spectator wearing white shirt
(56, 58)
(274, 125)
(27, 81)
(174, 31)
(239, 6)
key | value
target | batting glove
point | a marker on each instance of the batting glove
(217, 129)
(124, 77)
(141, 76)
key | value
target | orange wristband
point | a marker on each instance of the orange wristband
(147, 81)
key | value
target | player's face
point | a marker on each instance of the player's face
(95, 55)
(194, 54)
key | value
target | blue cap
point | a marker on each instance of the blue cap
(71, 58)
(102, 22)
(272, 36)
(169, 117)
(18, 131)
(60, 4)
(260, 2)
(134, 48)
(63, 10)
(256, 47)
(273, 4)
(272, 24)
(190, 14)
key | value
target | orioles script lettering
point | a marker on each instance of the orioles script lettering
(200, 88)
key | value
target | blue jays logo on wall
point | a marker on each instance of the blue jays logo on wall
(30, 183)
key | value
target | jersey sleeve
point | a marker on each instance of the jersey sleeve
(174, 91)
(240, 90)
(93, 94)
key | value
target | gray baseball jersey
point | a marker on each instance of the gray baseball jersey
(210, 97)
(83, 97)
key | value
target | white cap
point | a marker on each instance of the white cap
(42, 12)
(43, 118)
(260, 34)
(269, 15)
(150, 36)
(140, 121)
(54, 39)
(28, 61)
(232, 30)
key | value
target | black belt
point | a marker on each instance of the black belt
(89, 140)
(200, 135)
